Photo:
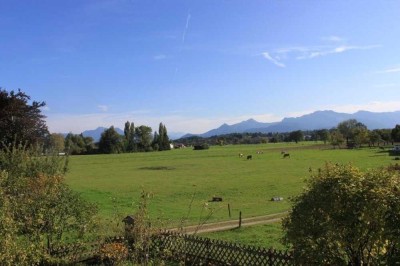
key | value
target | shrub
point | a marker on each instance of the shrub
(37, 208)
(346, 217)
(201, 147)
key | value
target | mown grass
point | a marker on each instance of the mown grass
(266, 235)
(183, 181)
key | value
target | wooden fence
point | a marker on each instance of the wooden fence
(187, 249)
(195, 250)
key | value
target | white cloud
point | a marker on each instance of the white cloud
(386, 85)
(323, 51)
(273, 60)
(337, 46)
(159, 57)
(333, 38)
(390, 70)
(103, 108)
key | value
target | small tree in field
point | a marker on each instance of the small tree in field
(346, 217)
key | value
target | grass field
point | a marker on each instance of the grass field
(183, 181)
(266, 235)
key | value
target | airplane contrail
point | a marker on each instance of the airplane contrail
(186, 27)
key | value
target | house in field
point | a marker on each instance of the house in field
(179, 146)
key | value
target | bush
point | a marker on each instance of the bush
(201, 147)
(37, 208)
(346, 217)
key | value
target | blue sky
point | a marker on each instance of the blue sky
(194, 65)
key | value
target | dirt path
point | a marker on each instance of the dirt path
(231, 224)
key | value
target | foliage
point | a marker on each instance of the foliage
(110, 141)
(162, 138)
(203, 146)
(322, 134)
(113, 253)
(395, 134)
(38, 209)
(78, 144)
(56, 143)
(296, 136)
(143, 138)
(346, 216)
(20, 120)
(129, 133)
(352, 129)
(374, 137)
(336, 138)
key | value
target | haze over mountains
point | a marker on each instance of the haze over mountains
(315, 120)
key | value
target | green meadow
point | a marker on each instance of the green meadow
(182, 182)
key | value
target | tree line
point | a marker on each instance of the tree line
(135, 139)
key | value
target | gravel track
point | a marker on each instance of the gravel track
(231, 224)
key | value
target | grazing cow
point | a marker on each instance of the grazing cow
(241, 155)
(216, 199)
(286, 155)
(249, 157)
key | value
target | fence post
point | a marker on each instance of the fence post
(240, 219)
(229, 210)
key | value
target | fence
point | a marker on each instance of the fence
(188, 249)
(195, 250)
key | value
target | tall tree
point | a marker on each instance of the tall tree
(323, 134)
(360, 136)
(374, 137)
(129, 133)
(296, 136)
(155, 144)
(110, 141)
(336, 138)
(348, 129)
(143, 138)
(163, 139)
(20, 120)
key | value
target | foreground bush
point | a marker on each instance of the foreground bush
(346, 217)
(37, 209)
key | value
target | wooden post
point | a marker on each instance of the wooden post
(229, 210)
(240, 219)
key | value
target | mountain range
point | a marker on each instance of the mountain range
(313, 121)
(316, 120)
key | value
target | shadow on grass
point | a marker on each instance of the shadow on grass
(157, 168)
